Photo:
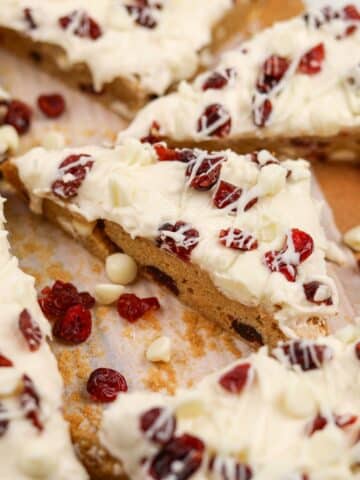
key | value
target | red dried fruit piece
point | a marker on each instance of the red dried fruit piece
(132, 308)
(261, 113)
(300, 242)
(226, 194)
(344, 421)
(30, 402)
(219, 80)
(75, 326)
(215, 121)
(351, 12)
(319, 423)
(81, 24)
(238, 378)
(298, 247)
(310, 290)
(272, 72)
(238, 240)
(55, 301)
(17, 114)
(304, 353)
(227, 468)
(30, 330)
(104, 385)
(29, 19)
(166, 154)
(179, 459)
(52, 105)
(357, 350)
(154, 135)
(311, 62)
(203, 172)
(76, 165)
(180, 239)
(5, 362)
(142, 13)
(158, 424)
(4, 422)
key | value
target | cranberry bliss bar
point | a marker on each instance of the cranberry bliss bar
(293, 89)
(126, 51)
(293, 414)
(34, 438)
(238, 238)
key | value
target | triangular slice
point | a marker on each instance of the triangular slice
(34, 438)
(238, 238)
(293, 89)
(124, 52)
(294, 415)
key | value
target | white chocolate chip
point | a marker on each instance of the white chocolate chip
(53, 140)
(9, 139)
(327, 446)
(120, 268)
(107, 293)
(335, 254)
(352, 238)
(83, 229)
(348, 334)
(298, 400)
(159, 350)
(272, 179)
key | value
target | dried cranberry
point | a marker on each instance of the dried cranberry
(4, 422)
(75, 326)
(219, 80)
(236, 379)
(30, 402)
(203, 173)
(158, 424)
(227, 468)
(5, 362)
(318, 424)
(310, 290)
(304, 353)
(215, 121)
(17, 114)
(104, 385)
(81, 24)
(311, 62)
(131, 307)
(154, 135)
(351, 12)
(55, 301)
(29, 19)
(179, 459)
(344, 421)
(261, 113)
(298, 247)
(164, 153)
(76, 167)
(357, 350)
(238, 240)
(52, 105)
(272, 72)
(30, 330)
(180, 239)
(142, 13)
(226, 194)
(301, 242)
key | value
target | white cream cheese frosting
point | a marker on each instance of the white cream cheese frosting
(34, 438)
(121, 47)
(290, 415)
(131, 186)
(298, 78)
